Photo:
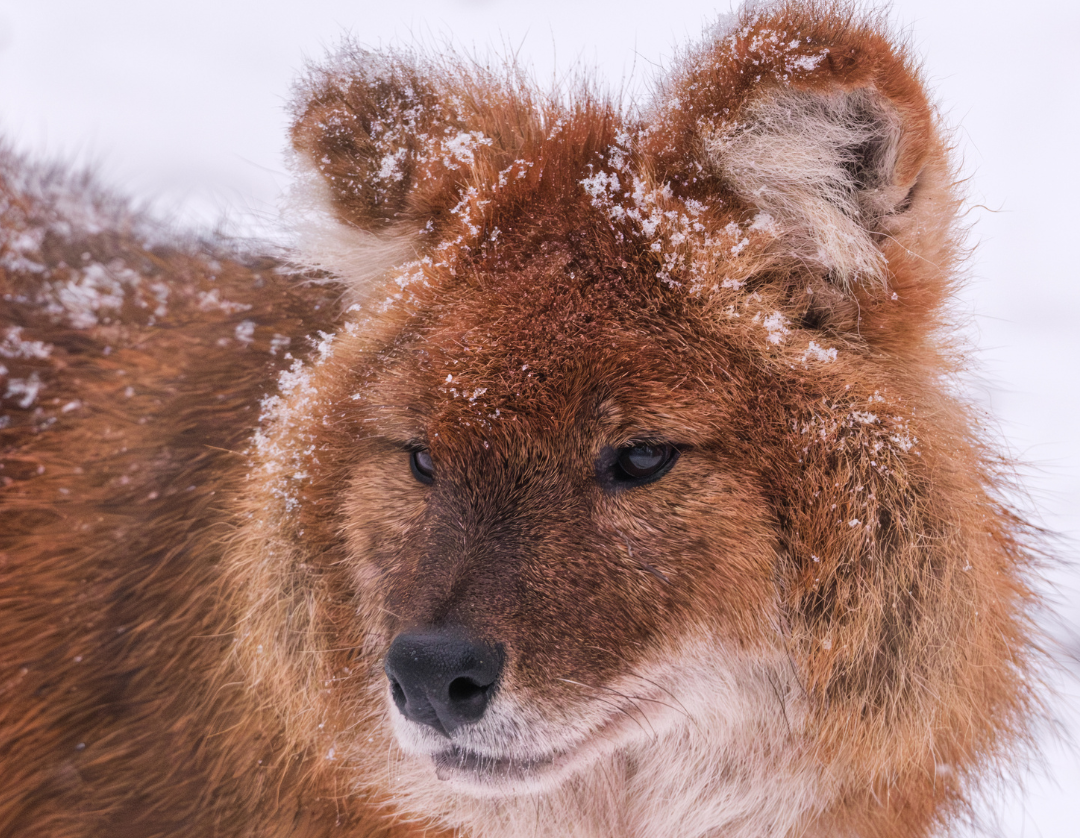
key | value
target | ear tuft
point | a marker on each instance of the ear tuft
(813, 116)
(823, 165)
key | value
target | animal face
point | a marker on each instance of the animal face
(579, 518)
(631, 457)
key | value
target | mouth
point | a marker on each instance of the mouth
(482, 773)
(513, 770)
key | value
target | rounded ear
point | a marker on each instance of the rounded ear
(392, 147)
(813, 118)
(383, 134)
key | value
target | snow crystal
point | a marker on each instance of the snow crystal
(13, 346)
(245, 331)
(24, 391)
(764, 222)
(390, 168)
(94, 291)
(21, 247)
(461, 149)
(296, 377)
(818, 353)
(807, 62)
(279, 342)
(211, 301)
(903, 441)
(601, 185)
(776, 325)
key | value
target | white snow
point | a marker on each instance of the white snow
(817, 353)
(23, 391)
(245, 331)
(15, 346)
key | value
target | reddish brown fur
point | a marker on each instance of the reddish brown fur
(195, 619)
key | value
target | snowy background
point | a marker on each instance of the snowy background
(182, 105)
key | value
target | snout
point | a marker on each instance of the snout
(442, 678)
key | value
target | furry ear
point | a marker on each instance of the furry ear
(815, 119)
(384, 135)
(389, 145)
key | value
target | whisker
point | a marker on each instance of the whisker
(632, 699)
(622, 659)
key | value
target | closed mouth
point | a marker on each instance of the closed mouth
(485, 774)
(460, 764)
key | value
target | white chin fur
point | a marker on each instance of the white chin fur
(723, 746)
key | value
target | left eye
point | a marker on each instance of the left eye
(423, 468)
(644, 461)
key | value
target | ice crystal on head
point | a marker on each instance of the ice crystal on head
(324, 345)
(519, 168)
(776, 326)
(22, 252)
(279, 343)
(806, 63)
(686, 250)
(818, 353)
(293, 378)
(390, 170)
(464, 210)
(461, 149)
(602, 186)
(283, 445)
(903, 441)
(211, 301)
(95, 292)
(764, 222)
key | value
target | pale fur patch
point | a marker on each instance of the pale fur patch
(721, 751)
(821, 164)
(362, 261)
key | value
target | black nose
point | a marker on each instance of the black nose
(442, 678)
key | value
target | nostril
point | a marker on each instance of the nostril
(465, 690)
(442, 678)
(398, 695)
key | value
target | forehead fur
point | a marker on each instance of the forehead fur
(807, 130)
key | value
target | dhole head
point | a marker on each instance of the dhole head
(634, 427)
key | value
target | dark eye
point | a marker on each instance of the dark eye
(422, 467)
(644, 462)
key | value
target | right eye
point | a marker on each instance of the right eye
(644, 462)
(422, 467)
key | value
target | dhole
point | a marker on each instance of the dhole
(619, 490)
